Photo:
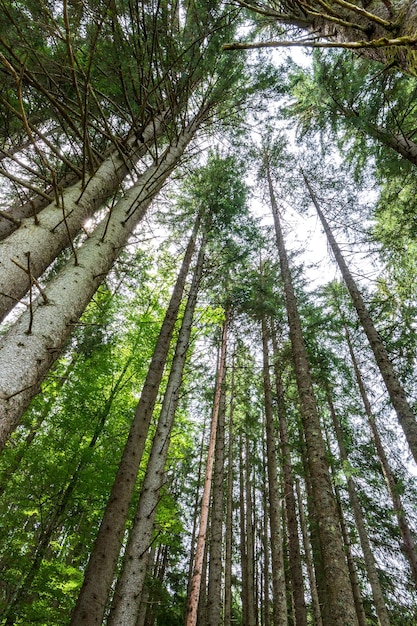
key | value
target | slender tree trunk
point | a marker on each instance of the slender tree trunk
(379, 602)
(353, 572)
(266, 548)
(250, 543)
(205, 504)
(129, 586)
(397, 142)
(408, 546)
(295, 565)
(309, 560)
(55, 227)
(214, 590)
(37, 338)
(227, 614)
(93, 596)
(56, 515)
(196, 511)
(339, 592)
(279, 600)
(243, 535)
(395, 390)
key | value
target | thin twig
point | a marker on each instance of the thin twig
(67, 228)
(29, 273)
(33, 279)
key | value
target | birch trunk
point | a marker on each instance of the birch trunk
(395, 390)
(93, 596)
(127, 596)
(409, 546)
(55, 227)
(191, 618)
(37, 338)
(339, 593)
(279, 599)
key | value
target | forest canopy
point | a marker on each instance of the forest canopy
(208, 298)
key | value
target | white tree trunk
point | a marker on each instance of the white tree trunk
(25, 357)
(57, 226)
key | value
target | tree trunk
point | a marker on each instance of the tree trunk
(37, 338)
(379, 602)
(408, 546)
(250, 533)
(382, 31)
(227, 614)
(56, 515)
(214, 590)
(397, 142)
(99, 574)
(296, 572)
(309, 560)
(279, 599)
(55, 227)
(191, 618)
(243, 536)
(130, 583)
(266, 548)
(395, 390)
(339, 592)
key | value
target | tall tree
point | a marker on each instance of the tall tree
(295, 566)
(339, 592)
(98, 577)
(128, 592)
(395, 390)
(37, 338)
(279, 599)
(194, 592)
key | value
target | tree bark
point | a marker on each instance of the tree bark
(339, 593)
(308, 559)
(37, 338)
(191, 618)
(295, 565)
(395, 390)
(353, 572)
(279, 599)
(250, 535)
(383, 32)
(131, 580)
(409, 546)
(214, 589)
(98, 578)
(379, 602)
(227, 613)
(243, 536)
(55, 227)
